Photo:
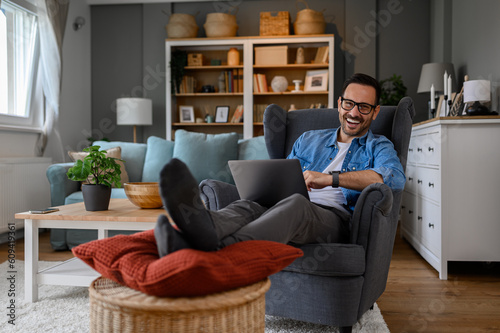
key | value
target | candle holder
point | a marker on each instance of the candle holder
(297, 85)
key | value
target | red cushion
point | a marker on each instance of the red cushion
(133, 260)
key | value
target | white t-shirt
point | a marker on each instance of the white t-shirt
(330, 196)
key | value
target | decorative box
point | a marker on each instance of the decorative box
(271, 55)
(274, 23)
(195, 59)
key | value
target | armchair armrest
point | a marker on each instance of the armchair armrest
(216, 194)
(374, 227)
(60, 185)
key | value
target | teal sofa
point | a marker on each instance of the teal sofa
(206, 155)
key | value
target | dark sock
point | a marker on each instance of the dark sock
(168, 240)
(181, 197)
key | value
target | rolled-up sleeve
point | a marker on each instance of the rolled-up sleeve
(388, 165)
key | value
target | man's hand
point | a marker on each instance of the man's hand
(317, 180)
(356, 180)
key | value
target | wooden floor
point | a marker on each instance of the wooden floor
(415, 299)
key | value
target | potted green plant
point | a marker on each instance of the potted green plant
(393, 90)
(100, 172)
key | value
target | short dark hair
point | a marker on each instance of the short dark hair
(365, 80)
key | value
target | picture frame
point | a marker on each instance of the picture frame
(439, 107)
(221, 113)
(316, 80)
(186, 113)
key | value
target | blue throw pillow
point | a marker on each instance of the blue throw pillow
(132, 153)
(253, 149)
(206, 155)
(159, 153)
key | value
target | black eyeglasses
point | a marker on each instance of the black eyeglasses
(364, 108)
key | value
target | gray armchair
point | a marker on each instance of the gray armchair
(333, 284)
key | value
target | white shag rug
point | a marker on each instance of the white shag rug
(66, 309)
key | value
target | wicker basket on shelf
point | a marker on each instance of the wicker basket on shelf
(116, 308)
(274, 23)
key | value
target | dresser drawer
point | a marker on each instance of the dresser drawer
(429, 224)
(411, 179)
(428, 183)
(409, 213)
(425, 148)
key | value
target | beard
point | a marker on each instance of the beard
(356, 127)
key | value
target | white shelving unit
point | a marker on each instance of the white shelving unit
(246, 46)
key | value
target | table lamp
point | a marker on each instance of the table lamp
(134, 111)
(477, 92)
(432, 75)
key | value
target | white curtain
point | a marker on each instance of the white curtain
(52, 16)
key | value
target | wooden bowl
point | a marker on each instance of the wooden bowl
(144, 195)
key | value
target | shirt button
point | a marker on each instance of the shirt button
(354, 168)
(330, 158)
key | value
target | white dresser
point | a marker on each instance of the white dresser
(451, 204)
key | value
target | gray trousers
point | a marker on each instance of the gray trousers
(294, 219)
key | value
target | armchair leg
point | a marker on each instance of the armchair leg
(345, 329)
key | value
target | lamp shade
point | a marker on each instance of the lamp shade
(432, 74)
(477, 91)
(134, 111)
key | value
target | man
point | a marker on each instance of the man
(338, 164)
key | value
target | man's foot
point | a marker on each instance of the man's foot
(168, 240)
(181, 197)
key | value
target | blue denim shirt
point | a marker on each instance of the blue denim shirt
(316, 149)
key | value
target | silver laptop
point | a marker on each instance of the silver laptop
(268, 181)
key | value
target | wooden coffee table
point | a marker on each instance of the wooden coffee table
(122, 215)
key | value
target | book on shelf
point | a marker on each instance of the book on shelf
(258, 112)
(259, 83)
(238, 114)
(188, 85)
(321, 55)
(240, 80)
(231, 81)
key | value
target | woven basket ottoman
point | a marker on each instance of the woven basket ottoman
(116, 308)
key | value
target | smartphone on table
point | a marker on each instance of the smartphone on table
(44, 211)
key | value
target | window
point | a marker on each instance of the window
(19, 53)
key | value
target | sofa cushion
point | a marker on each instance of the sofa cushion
(132, 153)
(158, 153)
(133, 261)
(206, 155)
(112, 152)
(333, 259)
(252, 149)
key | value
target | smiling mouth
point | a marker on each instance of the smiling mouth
(352, 121)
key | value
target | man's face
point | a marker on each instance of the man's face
(354, 123)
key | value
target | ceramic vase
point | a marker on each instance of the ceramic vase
(279, 84)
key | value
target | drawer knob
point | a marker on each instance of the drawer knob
(419, 181)
(419, 218)
(431, 149)
(410, 179)
(419, 149)
(410, 212)
(431, 184)
(411, 149)
(431, 225)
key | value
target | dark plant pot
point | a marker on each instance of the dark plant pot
(96, 197)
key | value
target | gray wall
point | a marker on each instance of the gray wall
(128, 56)
(475, 46)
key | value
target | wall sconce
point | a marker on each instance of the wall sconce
(79, 23)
